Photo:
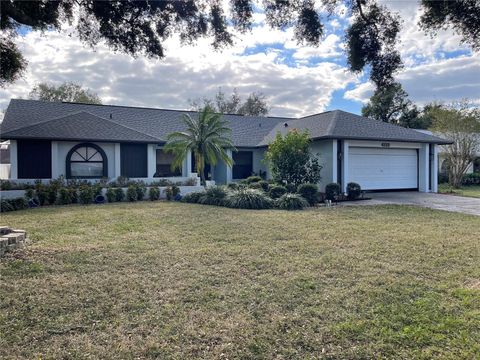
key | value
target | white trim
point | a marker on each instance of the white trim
(151, 160)
(345, 159)
(229, 168)
(382, 144)
(55, 170)
(117, 161)
(423, 169)
(434, 169)
(13, 160)
(334, 160)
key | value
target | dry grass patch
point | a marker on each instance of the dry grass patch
(171, 280)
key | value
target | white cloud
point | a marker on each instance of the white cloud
(188, 72)
(445, 80)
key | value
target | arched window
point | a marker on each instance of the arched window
(86, 161)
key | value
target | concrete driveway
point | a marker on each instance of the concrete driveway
(434, 201)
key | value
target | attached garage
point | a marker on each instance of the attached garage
(383, 168)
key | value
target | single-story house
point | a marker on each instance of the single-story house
(49, 139)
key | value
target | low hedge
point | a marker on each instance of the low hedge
(291, 202)
(309, 192)
(248, 199)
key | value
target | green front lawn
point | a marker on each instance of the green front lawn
(469, 191)
(179, 281)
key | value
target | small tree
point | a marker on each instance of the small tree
(207, 136)
(461, 125)
(290, 159)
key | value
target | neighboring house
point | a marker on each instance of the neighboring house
(49, 139)
(442, 164)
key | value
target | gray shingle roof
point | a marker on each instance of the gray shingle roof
(73, 121)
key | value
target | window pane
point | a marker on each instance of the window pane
(243, 164)
(76, 156)
(86, 169)
(95, 157)
(82, 152)
(164, 164)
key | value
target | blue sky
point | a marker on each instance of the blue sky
(297, 80)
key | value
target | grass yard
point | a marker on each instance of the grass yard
(469, 191)
(179, 281)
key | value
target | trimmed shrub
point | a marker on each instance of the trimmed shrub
(291, 202)
(73, 195)
(309, 192)
(141, 190)
(5, 185)
(6, 206)
(110, 194)
(119, 194)
(213, 195)
(252, 179)
(276, 191)
(332, 190)
(86, 194)
(192, 197)
(264, 185)
(248, 199)
(19, 203)
(353, 190)
(171, 192)
(29, 193)
(471, 179)
(132, 193)
(154, 193)
(64, 196)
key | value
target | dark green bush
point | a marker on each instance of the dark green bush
(73, 195)
(248, 199)
(309, 192)
(64, 196)
(252, 179)
(154, 193)
(119, 194)
(291, 202)
(29, 193)
(132, 193)
(264, 185)
(276, 191)
(213, 195)
(171, 192)
(141, 190)
(5, 185)
(110, 194)
(233, 186)
(192, 197)
(6, 206)
(332, 190)
(353, 190)
(19, 203)
(471, 179)
(86, 194)
(291, 188)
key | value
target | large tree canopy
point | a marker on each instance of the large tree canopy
(141, 27)
(254, 105)
(67, 91)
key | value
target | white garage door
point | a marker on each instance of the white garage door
(379, 168)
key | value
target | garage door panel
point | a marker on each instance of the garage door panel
(378, 168)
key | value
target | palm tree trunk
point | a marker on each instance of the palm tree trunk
(200, 165)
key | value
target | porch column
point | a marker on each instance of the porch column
(187, 165)
(345, 160)
(151, 160)
(334, 160)
(434, 169)
(55, 169)
(229, 176)
(423, 168)
(13, 160)
(117, 161)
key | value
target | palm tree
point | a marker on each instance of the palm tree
(207, 136)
